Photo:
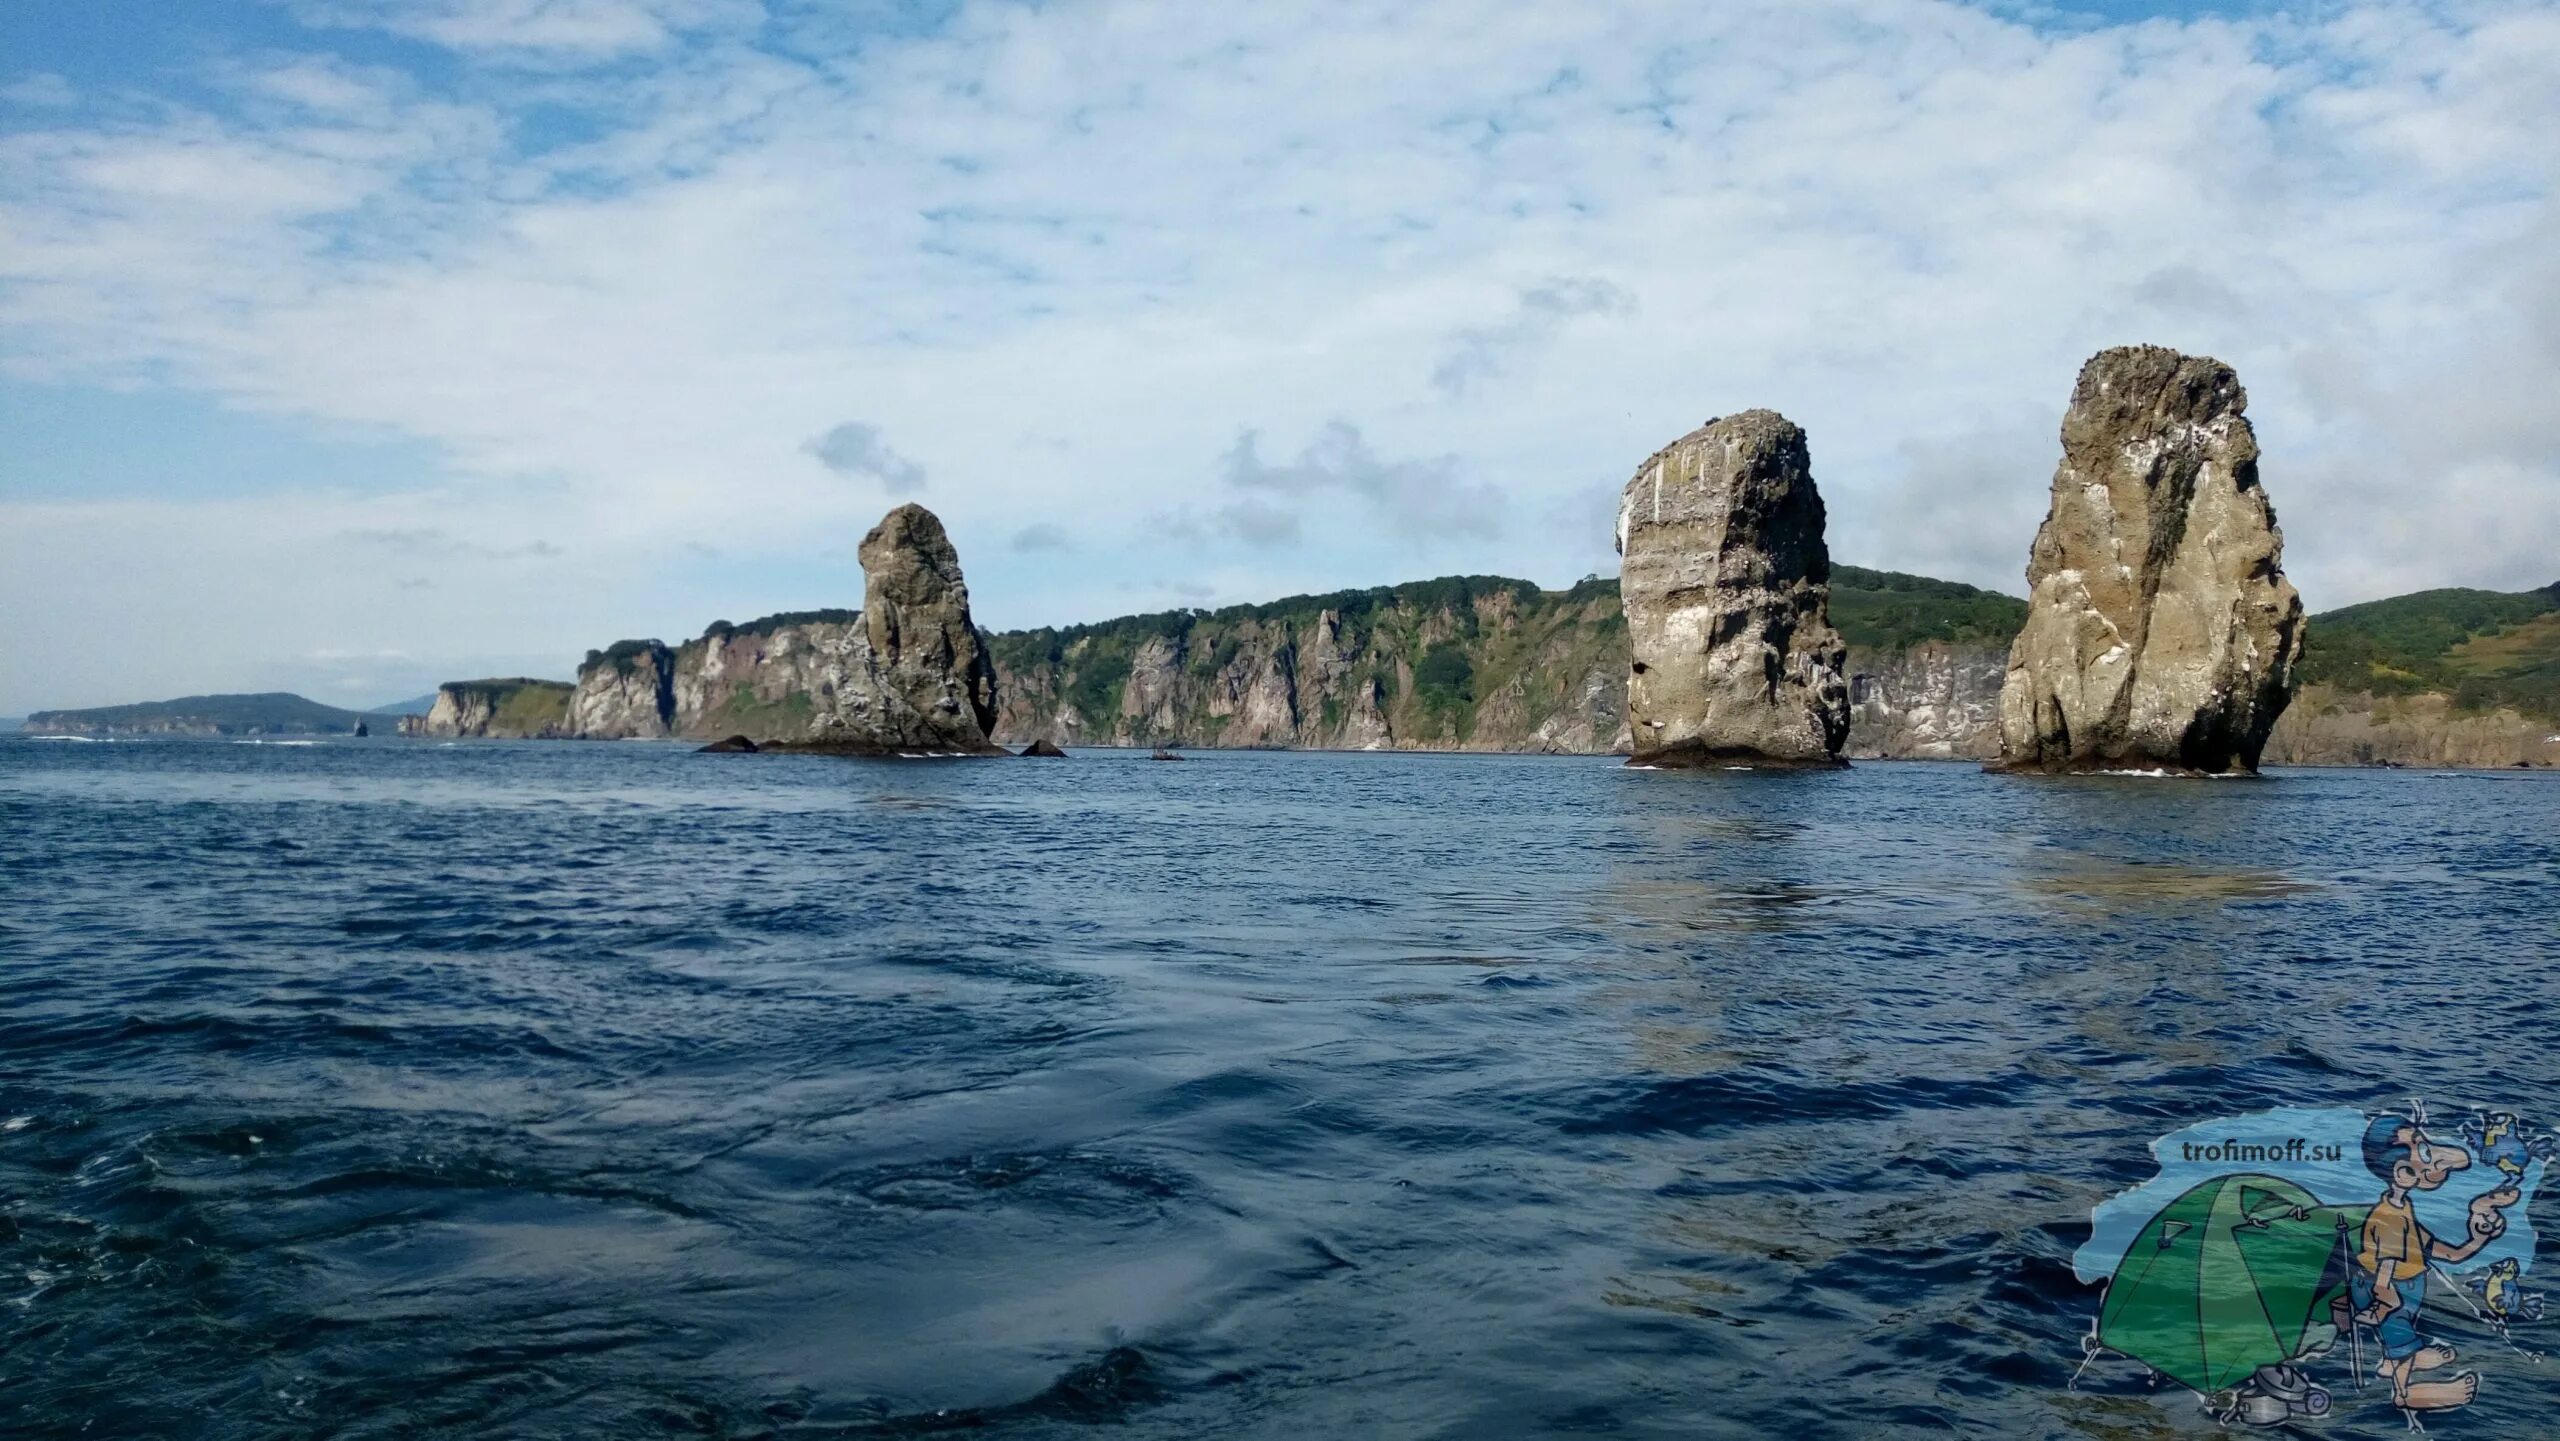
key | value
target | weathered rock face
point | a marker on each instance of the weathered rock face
(1932, 701)
(2161, 632)
(924, 679)
(763, 678)
(628, 689)
(1726, 584)
(908, 673)
(2332, 727)
(1466, 663)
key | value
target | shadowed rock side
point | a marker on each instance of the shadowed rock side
(2161, 632)
(1726, 588)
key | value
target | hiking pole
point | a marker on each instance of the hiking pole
(2355, 1345)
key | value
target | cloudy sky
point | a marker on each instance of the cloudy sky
(346, 348)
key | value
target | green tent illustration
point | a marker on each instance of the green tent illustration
(2236, 1274)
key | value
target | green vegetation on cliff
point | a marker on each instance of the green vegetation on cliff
(518, 705)
(1888, 610)
(1461, 660)
(623, 655)
(2483, 648)
(768, 624)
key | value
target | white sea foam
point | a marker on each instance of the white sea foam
(17, 1123)
(255, 741)
(84, 740)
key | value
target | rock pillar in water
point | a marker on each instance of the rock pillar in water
(926, 681)
(2161, 632)
(1727, 586)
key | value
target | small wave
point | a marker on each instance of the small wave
(256, 741)
(83, 740)
(17, 1123)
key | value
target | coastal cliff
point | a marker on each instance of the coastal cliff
(1493, 664)
(2439, 677)
(516, 708)
(907, 674)
(1463, 663)
(1472, 663)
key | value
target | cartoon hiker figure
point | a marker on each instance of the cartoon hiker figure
(2389, 1282)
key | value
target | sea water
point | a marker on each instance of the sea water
(386, 1089)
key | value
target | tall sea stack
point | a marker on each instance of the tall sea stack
(1727, 584)
(2161, 632)
(923, 679)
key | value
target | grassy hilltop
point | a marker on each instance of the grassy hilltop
(2482, 648)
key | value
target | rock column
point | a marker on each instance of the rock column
(2161, 632)
(1726, 584)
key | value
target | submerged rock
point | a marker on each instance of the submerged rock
(1161, 754)
(2161, 632)
(1044, 747)
(734, 745)
(1726, 585)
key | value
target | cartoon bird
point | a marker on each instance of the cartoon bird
(2500, 1140)
(2502, 1295)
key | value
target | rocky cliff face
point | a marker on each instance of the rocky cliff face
(763, 679)
(1466, 663)
(625, 690)
(2327, 726)
(2161, 631)
(908, 673)
(1936, 700)
(514, 709)
(1726, 583)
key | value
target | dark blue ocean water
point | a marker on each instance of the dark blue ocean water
(391, 1089)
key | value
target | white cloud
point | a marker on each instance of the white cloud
(1465, 266)
(586, 28)
(43, 89)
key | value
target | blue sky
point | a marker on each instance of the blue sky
(349, 348)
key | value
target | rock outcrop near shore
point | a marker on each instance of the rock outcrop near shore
(908, 674)
(2161, 632)
(1726, 585)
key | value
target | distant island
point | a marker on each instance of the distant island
(263, 714)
